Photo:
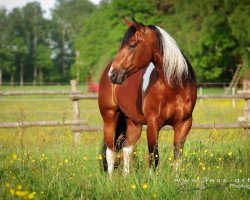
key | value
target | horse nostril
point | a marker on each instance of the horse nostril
(113, 76)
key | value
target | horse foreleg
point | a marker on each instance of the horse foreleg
(110, 121)
(132, 136)
(152, 138)
(181, 131)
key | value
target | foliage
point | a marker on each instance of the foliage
(68, 19)
(99, 39)
(82, 38)
(207, 33)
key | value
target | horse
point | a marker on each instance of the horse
(149, 82)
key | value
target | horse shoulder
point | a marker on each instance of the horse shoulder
(106, 89)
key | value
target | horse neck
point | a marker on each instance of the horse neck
(158, 62)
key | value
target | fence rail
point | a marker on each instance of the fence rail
(78, 95)
(194, 126)
(41, 123)
(38, 92)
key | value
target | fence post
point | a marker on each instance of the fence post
(247, 109)
(76, 110)
(233, 93)
(200, 93)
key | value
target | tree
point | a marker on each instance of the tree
(239, 23)
(207, 37)
(15, 48)
(2, 42)
(43, 60)
(99, 39)
(35, 33)
(68, 17)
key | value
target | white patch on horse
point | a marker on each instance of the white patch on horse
(146, 76)
(110, 156)
(110, 70)
(174, 63)
(127, 151)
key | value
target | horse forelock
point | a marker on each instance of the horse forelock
(128, 35)
(175, 65)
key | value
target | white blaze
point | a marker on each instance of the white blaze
(110, 70)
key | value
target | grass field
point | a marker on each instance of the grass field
(44, 163)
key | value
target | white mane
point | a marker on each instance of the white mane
(174, 63)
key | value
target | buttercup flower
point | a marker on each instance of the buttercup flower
(144, 186)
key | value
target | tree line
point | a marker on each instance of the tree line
(81, 38)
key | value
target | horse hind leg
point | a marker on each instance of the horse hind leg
(132, 136)
(181, 131)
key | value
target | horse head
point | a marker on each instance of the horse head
(136, 51)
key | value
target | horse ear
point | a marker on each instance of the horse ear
(129, 23)
(136, 24)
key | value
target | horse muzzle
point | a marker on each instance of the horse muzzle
(117, 77)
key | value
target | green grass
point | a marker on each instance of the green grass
(46, 161)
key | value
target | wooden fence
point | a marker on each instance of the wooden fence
(78, 125)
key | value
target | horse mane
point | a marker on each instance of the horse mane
(175, 65)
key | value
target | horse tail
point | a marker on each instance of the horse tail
(120, 131)
(119, 139)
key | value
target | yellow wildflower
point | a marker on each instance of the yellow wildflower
(20, 193)
(14, 156)
(12, 192)
(31, 195)
(144, 186)
(66, 160)
(7, 185)
(154, 196)
(100, 157)
(19, 187)
(133, 186)
(85, 158)
(230, 153)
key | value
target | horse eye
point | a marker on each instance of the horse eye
(132, 45)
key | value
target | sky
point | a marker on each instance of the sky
(46, 4)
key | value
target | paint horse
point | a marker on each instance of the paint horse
(149, 82)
